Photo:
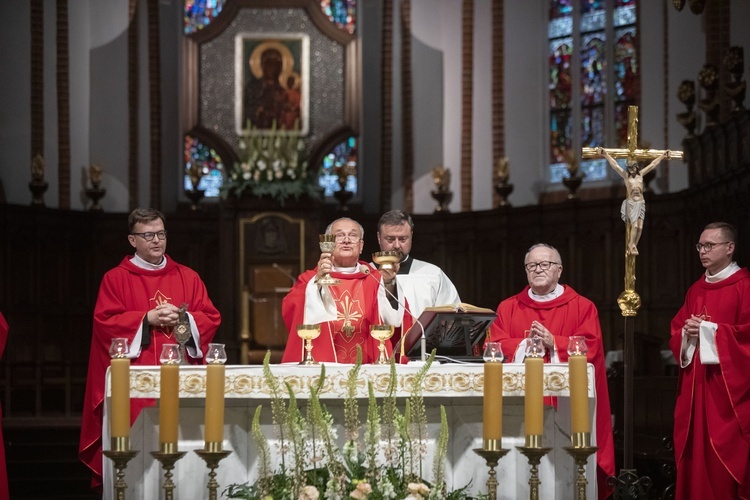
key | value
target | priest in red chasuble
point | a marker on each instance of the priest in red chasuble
(345, 311)
(139, 300)
(711, 340)
(555, 313)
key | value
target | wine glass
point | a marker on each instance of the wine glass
(493, 352)
(577, 346)
(535, 347)
(216, 354)
(381, 333)
(119, 348)
(170, 354)
(327, 244)
(308, 333)
(386, 260)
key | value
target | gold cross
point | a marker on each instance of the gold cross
(632, 153)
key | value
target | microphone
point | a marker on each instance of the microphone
(283, 271)
(423, 339)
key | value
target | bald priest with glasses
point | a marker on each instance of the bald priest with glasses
(554, 313)
(140, 300)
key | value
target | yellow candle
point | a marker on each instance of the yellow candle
(493, 402)
(579, 397)
(169, 402)
(214, 432)
(120, 379)
(533, 400)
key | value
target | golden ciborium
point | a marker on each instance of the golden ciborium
(308, 333)
(385, 260)
(381, 333)
(327, 244)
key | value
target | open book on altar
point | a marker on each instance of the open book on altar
(455, 332)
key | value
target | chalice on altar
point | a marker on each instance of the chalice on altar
(308, 333)
(327, 244)
(381, 333)
(385, 260)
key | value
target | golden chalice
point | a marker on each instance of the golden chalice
(327, 244)
(381, 333)
(308, 333)
(385, 260)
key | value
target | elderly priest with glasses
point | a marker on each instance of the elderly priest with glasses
(140, 300)
(556, 312)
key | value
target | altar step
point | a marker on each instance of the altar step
(42, 461)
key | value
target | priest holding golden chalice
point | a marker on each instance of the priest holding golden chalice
(412, 285)
(345, 306)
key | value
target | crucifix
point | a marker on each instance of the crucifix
(633, 211)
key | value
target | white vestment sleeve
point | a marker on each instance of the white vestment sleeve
(707, 335)
(687, 349)
(388, 314)
(194, 352)
(319, 304)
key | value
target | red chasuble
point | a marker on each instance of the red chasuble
(4, 495)
(568, 315)
(126, 294)
(712, 412)
(356, 301)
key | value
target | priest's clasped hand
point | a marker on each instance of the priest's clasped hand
(164, 315)
(539, 330)
(692, 326)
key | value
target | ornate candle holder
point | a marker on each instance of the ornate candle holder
(167, 457)
(580, 451)
(386, 260)
(327, 244)
(212, 455)
(492, 453)
(308, 333)
(533, 452)
(381, 333)
(120, 454)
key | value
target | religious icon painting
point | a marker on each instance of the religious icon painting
(271, 83)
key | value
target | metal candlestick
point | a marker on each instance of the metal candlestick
(534, 452)
(580, 451)
(492, 457)
(167, 456)
(120, 454)
(212, 454)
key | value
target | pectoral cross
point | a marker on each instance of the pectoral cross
(634, 207)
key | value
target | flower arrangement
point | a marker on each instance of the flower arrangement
(384, 463)
(271, 165)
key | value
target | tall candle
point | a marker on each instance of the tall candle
(533, 400)
(579, 397)
(493, 402)
(120, 379)
(214, 431)
(169, 402)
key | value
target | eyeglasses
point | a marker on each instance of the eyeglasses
(341, 237)
(708, 246)
(544, 265)
(162, 235)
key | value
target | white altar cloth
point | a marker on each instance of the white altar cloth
(456, 387)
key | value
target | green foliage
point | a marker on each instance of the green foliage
(385, 464)
(271, 165)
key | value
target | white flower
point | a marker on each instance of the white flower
(261, 165)
(246, 175)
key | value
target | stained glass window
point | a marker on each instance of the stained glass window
(206, 162)
(340, 165)
(199, 13)
(600, 84)
(343, 13)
